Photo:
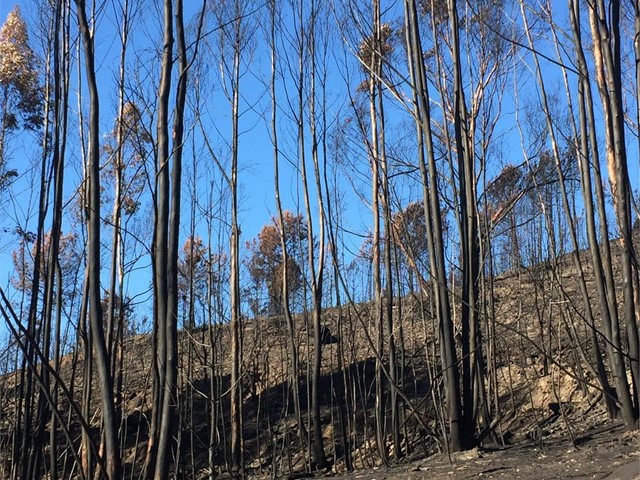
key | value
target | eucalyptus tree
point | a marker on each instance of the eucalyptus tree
(168, 158)
(308, 45)
(21, 94)
(234, 28)
(126, 148)
(375, 56)
(21, 101)
(286, 236)
(110, 422)
(594, 202)
(604, 20)
(61, 86)
(469, 239)
(432, 211)
(270, 262)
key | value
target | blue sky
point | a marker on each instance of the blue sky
(256, 156)
(257, 205)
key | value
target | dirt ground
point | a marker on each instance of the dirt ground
(604, 453)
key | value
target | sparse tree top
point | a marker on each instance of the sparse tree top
(18, 74)
(20, 93)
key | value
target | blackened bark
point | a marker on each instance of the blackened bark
(109, 418)
(433, 219)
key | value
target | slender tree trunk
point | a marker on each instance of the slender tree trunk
(61, 96)
(317, 273)
(33, 442)
(606, 38)
(24, 440)
(433, 219)
(374, 67)
(468, 235)
(115, 278)
(168, 421)
(237, 457)
(160, 250)
(109, 418)
(294, 377)
(584, 93)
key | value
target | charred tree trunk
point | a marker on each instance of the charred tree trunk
(431, 202)
(109, 417)
(605, 29)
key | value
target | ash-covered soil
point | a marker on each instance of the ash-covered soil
(599, 453)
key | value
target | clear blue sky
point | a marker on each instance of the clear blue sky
(257, 204)
(256, 161)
